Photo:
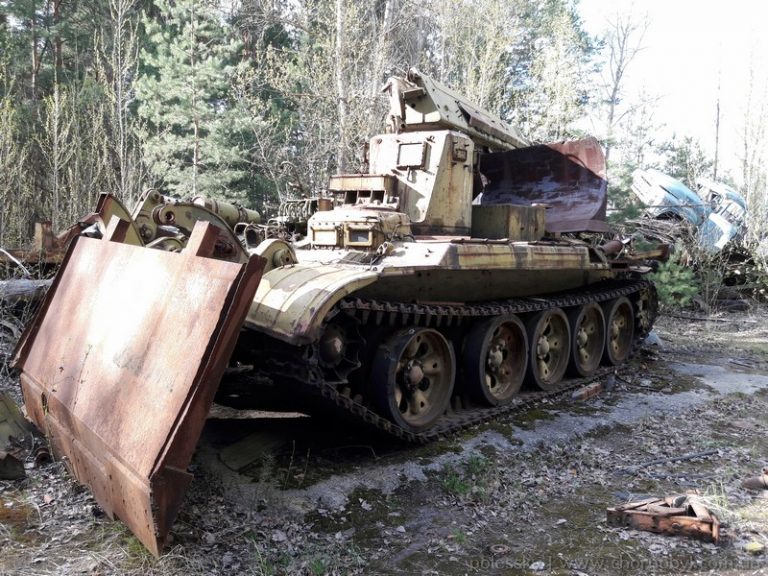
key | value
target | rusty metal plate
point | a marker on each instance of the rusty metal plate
(122, 362)
(568, 177)
(684, 515)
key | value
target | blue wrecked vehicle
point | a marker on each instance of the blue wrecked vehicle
(715, 210)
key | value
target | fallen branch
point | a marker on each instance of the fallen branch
(12, 291)
(636, 467)
(696, 318)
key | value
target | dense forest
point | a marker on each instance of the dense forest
(259, 100)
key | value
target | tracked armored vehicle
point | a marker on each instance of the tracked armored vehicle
(465, 273)
(448, 277)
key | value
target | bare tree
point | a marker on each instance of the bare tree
(121, 52)
(12, 159)
(624, 39)
(755, 152)
(330, 76)
(341, 89)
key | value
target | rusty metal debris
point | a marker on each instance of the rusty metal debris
(588, 391)
(13, 426)
(682, 515)
(45, 248)
(122, 386)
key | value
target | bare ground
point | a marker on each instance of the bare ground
(526, 495)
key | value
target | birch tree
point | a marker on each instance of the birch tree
(754, 152)
(329, 74)
(624, 40)
(117, 53)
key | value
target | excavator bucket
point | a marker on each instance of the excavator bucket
(121, 364)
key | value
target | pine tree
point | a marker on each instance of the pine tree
(686, 161)
(551, 64)
(196, 139)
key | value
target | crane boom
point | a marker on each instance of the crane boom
(418, 102)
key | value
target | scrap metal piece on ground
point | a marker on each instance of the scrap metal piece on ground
(12, 423)
(121, 364)
(48, 248)
(674, 515)
(588, 391)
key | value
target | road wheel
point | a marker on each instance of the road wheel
(495, 359)
(549, 338)
(587, 339)
(413, 374)
(620, 330)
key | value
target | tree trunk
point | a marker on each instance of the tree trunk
(14, 290)
(35, 55)
(196, 119)
(341, 150)
(382, 51)
(57, 43)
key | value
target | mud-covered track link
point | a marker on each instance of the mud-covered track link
(421, 371)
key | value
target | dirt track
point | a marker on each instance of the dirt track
(523, 495)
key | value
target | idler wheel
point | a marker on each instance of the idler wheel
(587, 339)
(495, 359)
(549, 338)
(413, 374)
(620, 330)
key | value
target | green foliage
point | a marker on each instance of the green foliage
(686, 161)
(477, 465)
(470, 480)
(559, 71)
(318, 566)
(195, 136)
(58, 107)
(459, 536)
(259, 100)
(675, 283)
(624, 205)
(454, 482)
(550, 57)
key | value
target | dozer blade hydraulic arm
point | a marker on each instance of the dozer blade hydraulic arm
(121, 364)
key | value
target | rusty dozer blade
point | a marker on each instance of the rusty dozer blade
(568, 177)
(121, 364)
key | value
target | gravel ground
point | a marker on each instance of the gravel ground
(525, 495)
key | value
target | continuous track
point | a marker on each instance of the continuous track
(325, 391)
